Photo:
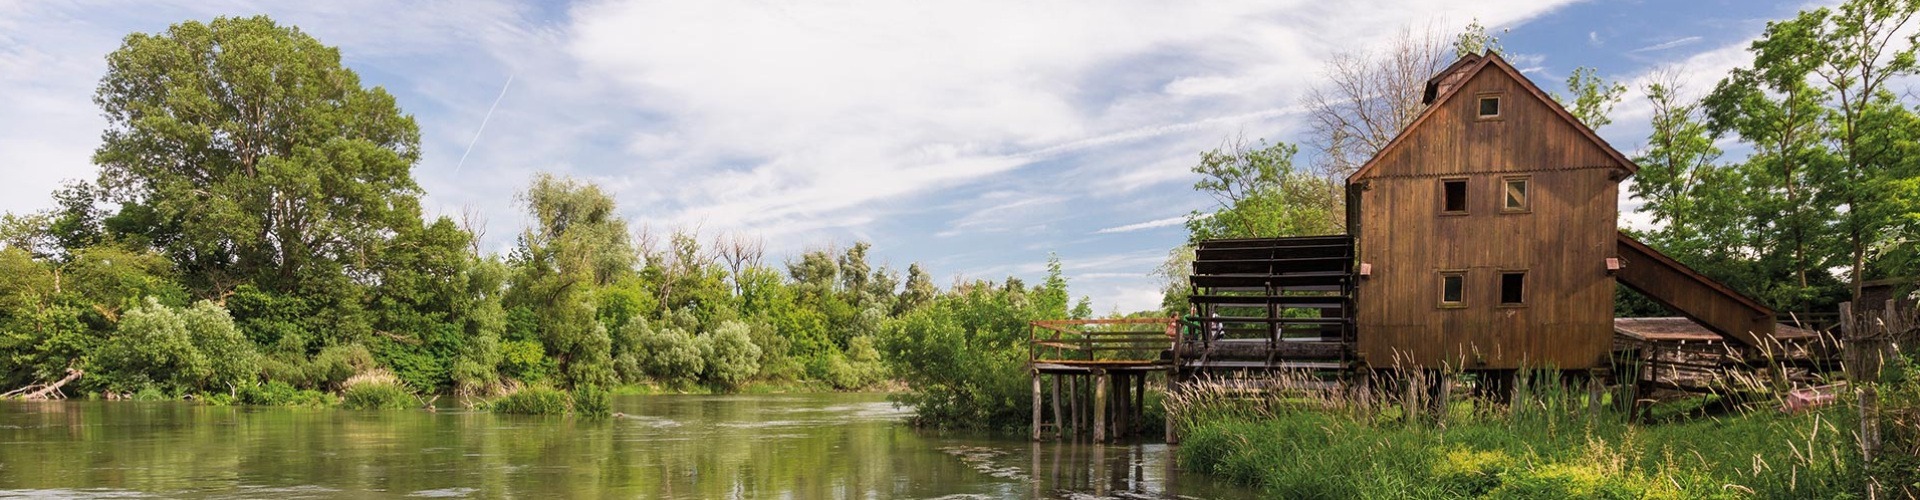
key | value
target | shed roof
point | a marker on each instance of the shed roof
(1679, 329)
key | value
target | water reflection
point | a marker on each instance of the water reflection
(784, 446)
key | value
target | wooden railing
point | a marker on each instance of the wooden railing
(1102, 342)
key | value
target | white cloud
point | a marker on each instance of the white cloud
(1677, 42)
(1170, 221)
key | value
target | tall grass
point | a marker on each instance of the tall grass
(376, 389)
(1311, 440)
(532, 400)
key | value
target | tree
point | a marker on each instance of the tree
(918, 292)
(1854, 51)
(577, 242)
(1259, 194)
(263, 157)
(1367, 98)
(731, 357)
(1590, 97)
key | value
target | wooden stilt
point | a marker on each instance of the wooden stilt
(1073, 399)
(1099, 406)
(1058, 422)
(1140, 398)
(1594, 386)
(1036, 405)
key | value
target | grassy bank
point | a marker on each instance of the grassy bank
(1541, 446)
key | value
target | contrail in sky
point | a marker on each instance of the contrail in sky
(483, 123)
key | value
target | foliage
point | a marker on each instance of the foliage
(1590, 97)
(731, 358)
(532, 400)
(177, 351)
(577, 243)
(258, 159)
(377, 390)
(1259, 194)
(593, 401)
(667, 354)
(1328, 455)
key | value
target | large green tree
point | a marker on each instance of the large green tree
(256, 158)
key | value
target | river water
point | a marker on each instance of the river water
(774, 446)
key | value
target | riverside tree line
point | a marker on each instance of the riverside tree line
(255, 235)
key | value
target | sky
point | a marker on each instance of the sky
(975, 138)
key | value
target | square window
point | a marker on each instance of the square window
(1489, 106)
(1513, 288)
(1454, 194)
(1453, 289)
(1514, 198)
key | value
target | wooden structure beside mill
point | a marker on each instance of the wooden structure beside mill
(1483, 238)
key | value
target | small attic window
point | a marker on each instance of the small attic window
(1489, 106)
(1453, 196)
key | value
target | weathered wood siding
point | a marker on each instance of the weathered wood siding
(1562, 242)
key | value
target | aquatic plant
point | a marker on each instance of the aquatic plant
(377, 390)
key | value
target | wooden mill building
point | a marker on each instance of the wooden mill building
(1482, 238)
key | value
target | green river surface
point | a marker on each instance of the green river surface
(772, 446)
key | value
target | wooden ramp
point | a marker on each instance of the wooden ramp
(1710, 303)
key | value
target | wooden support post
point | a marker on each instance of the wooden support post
(1119, 406)
(1140, 398)
(1443, 389)
(1073, 399)
(1036, 405)
(1596, 384)
(1099, 406)
(1058, 422)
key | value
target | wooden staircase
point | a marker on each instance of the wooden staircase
(1269, 304)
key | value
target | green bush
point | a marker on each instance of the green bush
(177, 351)
(668, 354)
(592, 401)
(377, 390)
(532, 400)
(731, 358)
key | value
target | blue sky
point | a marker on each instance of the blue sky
(973, 137)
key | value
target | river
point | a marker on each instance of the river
(772, 446)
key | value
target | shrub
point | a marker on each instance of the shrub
(731, 358)
(669, 355)
(532, 400)
(592, 401)
(177, 351)
(376, 390)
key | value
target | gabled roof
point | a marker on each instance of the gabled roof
(1468, 73)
